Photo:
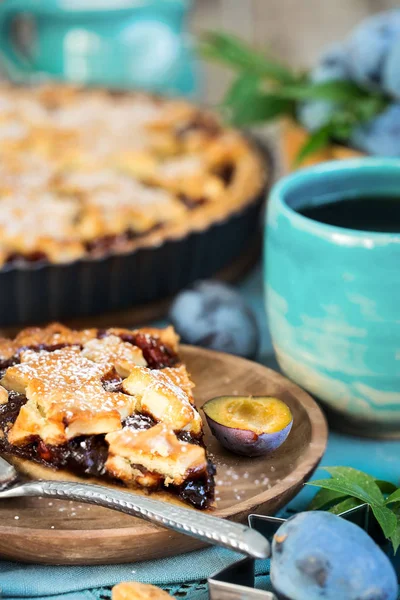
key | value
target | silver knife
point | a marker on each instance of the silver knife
(215, 531)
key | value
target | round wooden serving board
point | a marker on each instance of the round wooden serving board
(58, 532)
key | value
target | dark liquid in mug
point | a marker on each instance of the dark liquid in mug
(373, 213)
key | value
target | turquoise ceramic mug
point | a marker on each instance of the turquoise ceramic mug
(333, 295)
(117, 43)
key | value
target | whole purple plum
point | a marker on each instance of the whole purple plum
(214, 315)
(317, 555)
(391, 71)
(370, 45)
(249, 425)
(381, 135)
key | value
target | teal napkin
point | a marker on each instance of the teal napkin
(88, 583)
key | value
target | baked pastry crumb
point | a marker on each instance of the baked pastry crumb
(132, 590)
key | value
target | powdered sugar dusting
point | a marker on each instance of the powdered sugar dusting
(182, 166)
(76, 166)
(67, 387)
(25, 219)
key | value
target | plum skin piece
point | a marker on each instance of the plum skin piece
(249, 425)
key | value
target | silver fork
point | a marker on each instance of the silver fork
(205, 527)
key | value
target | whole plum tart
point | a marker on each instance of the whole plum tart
(112, 201)
(112, 404)
(89, 172)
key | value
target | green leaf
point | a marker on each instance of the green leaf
(332, 91)
(258, 108)
(386, 519)
(233, 52)
(342, 131)
(316, 141)
(324, 498)
(360, 479)
(367, 108)
(395, 537)
(345, 505)
(394, 497)
(386, 487)
(246, 103)
(346, 488)
(245, 86)
(352, 483)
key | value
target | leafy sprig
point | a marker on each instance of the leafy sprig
(265, 89)
(348, 488)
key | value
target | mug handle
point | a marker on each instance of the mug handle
(16, 63)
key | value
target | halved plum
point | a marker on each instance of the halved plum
(249, 425)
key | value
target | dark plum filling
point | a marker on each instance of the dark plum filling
(199, 491)
(139, 421)
(29, 258)
(9, 411)
(199, 123)
(86, 455)
(112, 382)
(156, 354)
(225, 171)
(192, 203)
(108, 243)
(82, 455)
(185, 436)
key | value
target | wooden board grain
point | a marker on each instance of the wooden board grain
(58, 532)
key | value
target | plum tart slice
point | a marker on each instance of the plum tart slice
(113, 404)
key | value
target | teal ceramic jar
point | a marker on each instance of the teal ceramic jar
(333, 295)
(114, 43)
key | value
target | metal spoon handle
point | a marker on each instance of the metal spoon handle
(199, 525)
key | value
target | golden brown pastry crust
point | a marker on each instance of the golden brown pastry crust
(56, 334)
(65, 397)
(157, 450)
(53, 335)
(114, 172)
(160, 397)
(122, 355)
